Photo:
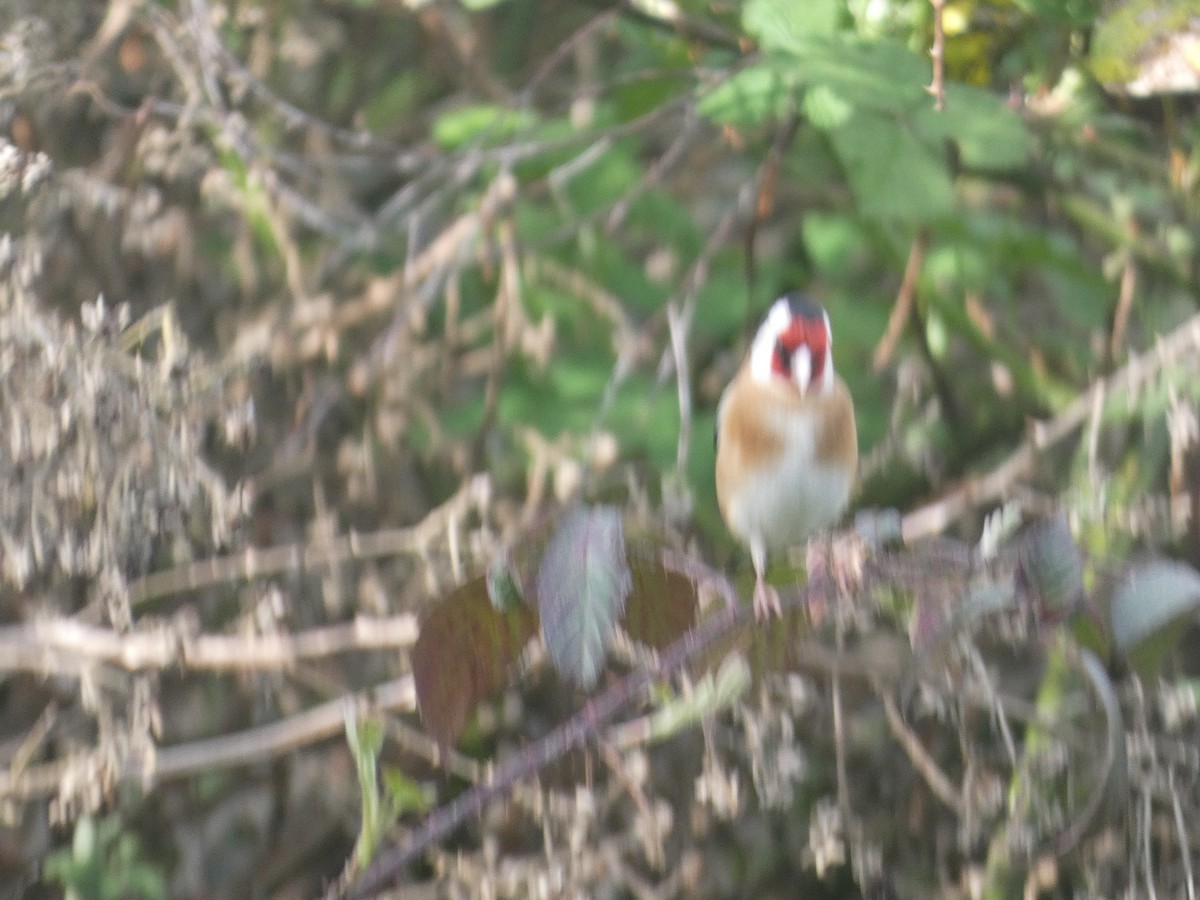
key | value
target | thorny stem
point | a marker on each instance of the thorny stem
(938, 53)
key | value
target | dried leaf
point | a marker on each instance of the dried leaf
(662, 601)
(463, 654)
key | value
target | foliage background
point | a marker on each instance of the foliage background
(279, 280)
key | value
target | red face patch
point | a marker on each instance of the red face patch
(799, 333)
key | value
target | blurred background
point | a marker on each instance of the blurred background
(308, 310)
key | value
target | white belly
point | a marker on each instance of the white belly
(784, 505)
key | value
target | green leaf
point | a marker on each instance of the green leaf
(566, 396)
(1150, 598)
(893, 175)
(256, 201)
(1127, 36)
(759, 92)
(1079, 13)
(955, 267)
(877, 75)
(460, 126)
(503, 588)
(404, 794)
(882, 75)
(104, 861)
(781, 24)
(709, 696)
(825, 108)
(582, 585)
(722, 308)
(645, 95)
(834, 241)
(990, 136)
(648, 416)
(608, 179)
(394, 103)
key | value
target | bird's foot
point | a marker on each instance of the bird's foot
(846, 560)
(766, 600)
(836, 562)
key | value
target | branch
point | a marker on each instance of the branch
(1183, 343)
(255, 563)
(241, 748)
(285, 736)
(68, 647)
(902, 308)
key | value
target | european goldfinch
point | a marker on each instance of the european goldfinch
(787, 446)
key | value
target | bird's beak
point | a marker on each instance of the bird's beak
(802, 368)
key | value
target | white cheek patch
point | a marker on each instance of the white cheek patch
(762, 351)
(827, 372)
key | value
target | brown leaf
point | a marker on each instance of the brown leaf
(662, 603)
(463, 655)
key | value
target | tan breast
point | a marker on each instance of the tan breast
(784, 462)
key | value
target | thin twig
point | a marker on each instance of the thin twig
(241, 748)
(903, 307)
(285, 736)
(681, 310)
(920, 758)
(768, 179)
(655, 174)
(1182, 831)
(445, 250)
(1147, 821)
(997, 708)
(1125, 295)
(255, 563)
(839, 728)
(670, 17)
(562, 52)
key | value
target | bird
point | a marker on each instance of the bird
(787, 443)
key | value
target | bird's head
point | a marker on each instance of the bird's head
(793, 343)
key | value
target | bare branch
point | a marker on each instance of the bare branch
(67, 647)
(1180, 347)
(254, 563)
(240, 748)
